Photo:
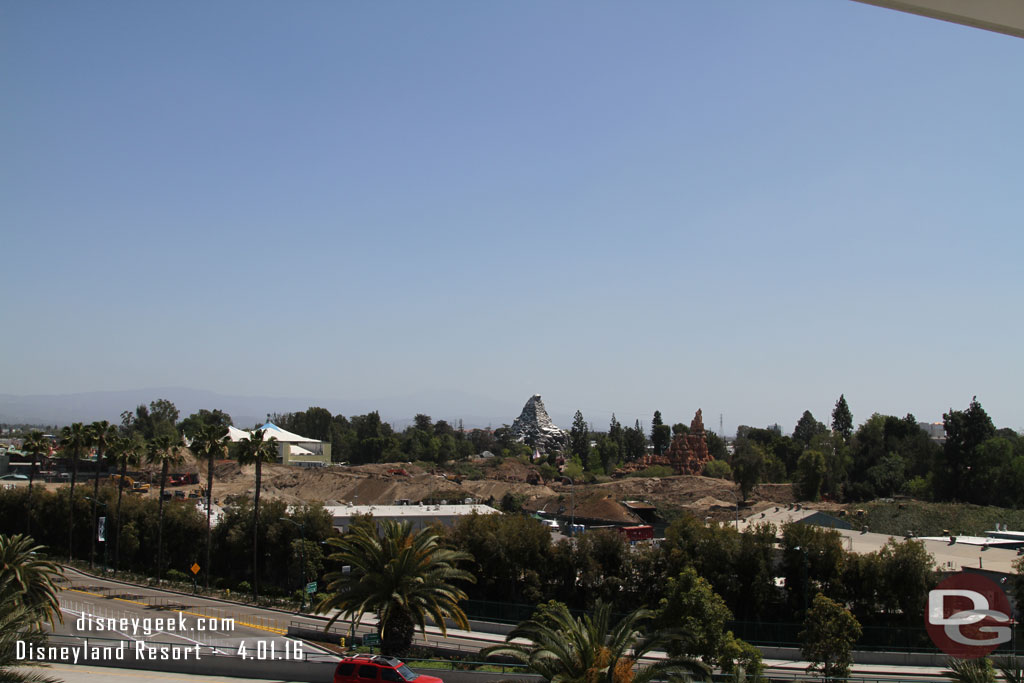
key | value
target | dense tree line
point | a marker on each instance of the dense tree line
(184, 528)
(516, 561)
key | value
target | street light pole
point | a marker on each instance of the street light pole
(106, 562)
(302, 556)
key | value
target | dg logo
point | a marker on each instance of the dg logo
(968, 616)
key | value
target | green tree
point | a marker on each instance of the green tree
(210, 440)
(692, 606)
(101, 435)
(608, 453)
(28, 597)
(842, 418)
(811, 469)
(636, 442)
(661, 433)
(403, 577)
(164, 450)
(73, 441)
(579, 440)
(907, 574)
(807, 428)
(716, 446)
(591, 649)
(965, 432)
(159, 418)
(36, 444)
(718, 469)
(812, 562)
(254, 450)
(747, 465)
(828, 637)
(509, 552)
(192, 424)
(617, 434)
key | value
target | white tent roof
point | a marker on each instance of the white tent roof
(270, 430)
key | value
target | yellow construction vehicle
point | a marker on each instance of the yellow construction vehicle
(130, 484)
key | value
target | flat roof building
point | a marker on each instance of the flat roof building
(420, 516)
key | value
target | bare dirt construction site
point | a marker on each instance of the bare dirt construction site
(384, 484)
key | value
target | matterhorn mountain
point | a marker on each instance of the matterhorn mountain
(535, 428)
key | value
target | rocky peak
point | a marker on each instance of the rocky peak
(535, 428)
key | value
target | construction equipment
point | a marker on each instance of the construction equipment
(130, 484)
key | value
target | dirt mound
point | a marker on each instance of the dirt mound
(385, 483)
(708, 503)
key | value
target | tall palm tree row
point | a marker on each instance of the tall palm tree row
(101, 434)
(211, 441)
(256, 450)
(591, 649)
(73, 441)
(165, 450)
(36, 444)
(403, 577)
(126, 450)
(28, 597)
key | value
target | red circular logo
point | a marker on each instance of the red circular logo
(968, 616)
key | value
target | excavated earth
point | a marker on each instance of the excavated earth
(383, 484)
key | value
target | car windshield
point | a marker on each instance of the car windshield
(407, 673)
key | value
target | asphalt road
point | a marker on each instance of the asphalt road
(97, 674)
(89, 602)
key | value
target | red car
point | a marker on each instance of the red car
(379, 669)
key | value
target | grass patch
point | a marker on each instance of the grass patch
(931, 519)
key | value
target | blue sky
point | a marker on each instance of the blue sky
(744, 207)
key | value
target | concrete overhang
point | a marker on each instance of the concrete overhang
(1001, 16)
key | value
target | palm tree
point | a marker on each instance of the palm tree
(590, 649)
(101, 435)
(210, 440)
(165, 450)
(36, 443)
(28, 597)
(73, 440)
(255, 450)
(402, 576)
(971, 670)
(126, 450)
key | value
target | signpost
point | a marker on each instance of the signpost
(311, 587)
(370, 640)
(195, 570)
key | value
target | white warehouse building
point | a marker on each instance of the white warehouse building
(420, 516)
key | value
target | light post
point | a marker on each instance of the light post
(302, 556)
(100, 503)
(572, 506)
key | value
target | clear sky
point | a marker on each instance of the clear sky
(746, 207)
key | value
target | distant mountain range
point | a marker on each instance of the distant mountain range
(62, 409)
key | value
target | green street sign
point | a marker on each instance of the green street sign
(311, 587)
(371, 639)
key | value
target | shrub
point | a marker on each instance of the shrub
(719, 469)
(175, 575)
